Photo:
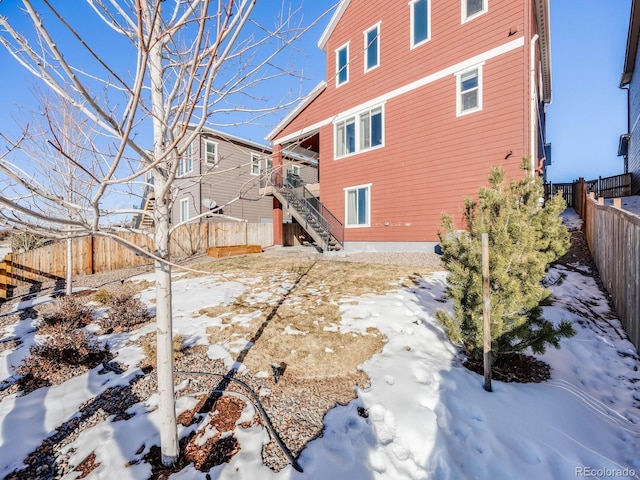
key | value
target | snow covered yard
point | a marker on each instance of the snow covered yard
(417, 413)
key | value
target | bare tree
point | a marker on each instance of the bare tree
(149, 77)
(61, 153)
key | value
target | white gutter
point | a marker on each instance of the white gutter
(533, 114)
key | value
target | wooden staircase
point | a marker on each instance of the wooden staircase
(148, 205)
(324, 227)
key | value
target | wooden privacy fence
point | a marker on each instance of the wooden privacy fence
(100, 254)
(613, 236)
(575, 192)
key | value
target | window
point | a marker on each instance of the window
(372, 48)
(342, 65)
(359, 133)
(357, 206)
(371, 128)
(184, 210)
(469, 97)
(346, 137)
(255, 164)
(473, 8)
(268, 164)
(420, 21)
(211, 152)
(186, 162)
(295, 169)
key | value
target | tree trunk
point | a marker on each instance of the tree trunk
(169, 447)
(69, 279)
(168, 427)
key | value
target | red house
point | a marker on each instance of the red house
(421, 99)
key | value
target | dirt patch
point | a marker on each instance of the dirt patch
(514, 367)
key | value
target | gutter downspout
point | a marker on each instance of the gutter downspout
(533, 114)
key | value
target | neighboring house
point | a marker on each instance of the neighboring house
(628, 148)
(221, 174)
(421, 99)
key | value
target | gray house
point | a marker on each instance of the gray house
(629, 146)
(222, 174)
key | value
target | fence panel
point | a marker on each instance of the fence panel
(615, 187)
(613, 236)
(566, 189)
(100, 254)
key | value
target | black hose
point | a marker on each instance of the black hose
(257, 405)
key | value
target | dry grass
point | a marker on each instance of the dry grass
(309, 303)
(297, 295)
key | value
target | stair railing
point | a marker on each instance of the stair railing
(311, 205)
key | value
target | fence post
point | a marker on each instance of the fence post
(486, 312)
(90, 245)
(617, 202)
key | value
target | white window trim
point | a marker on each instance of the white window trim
(366, 49)
(338, 84)
(356, 117)
(422, 42)
(459, 112)
(463, 11)
(295, 169)
(183, 202)
(185, 160)
(256, 160)
(346, 206)
(206, 153)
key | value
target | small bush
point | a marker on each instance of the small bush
(68, 312)
(149, 347)
(62, 348)
(125, 312)
(102, 296)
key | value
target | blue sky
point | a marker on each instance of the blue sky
(588, 112)
(585, 120)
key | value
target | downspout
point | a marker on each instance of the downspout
(626, 156)
(533, 114)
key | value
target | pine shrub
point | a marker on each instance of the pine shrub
(524, 238)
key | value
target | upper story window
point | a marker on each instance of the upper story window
(372, 48)
(186, 162)
(184, 210)
(295, 169)
(255, 164)
(420, 21)
(473, 8)
(359, 132)
(469, 91)
(211, 152)
(342, 65)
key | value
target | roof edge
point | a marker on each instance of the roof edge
(632, 45)
(318, 89)
(232, 138)
(543, 20)
(337, 15)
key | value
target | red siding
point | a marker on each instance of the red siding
(431, 158)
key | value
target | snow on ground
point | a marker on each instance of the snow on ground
(630, 204)
(428, 417)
